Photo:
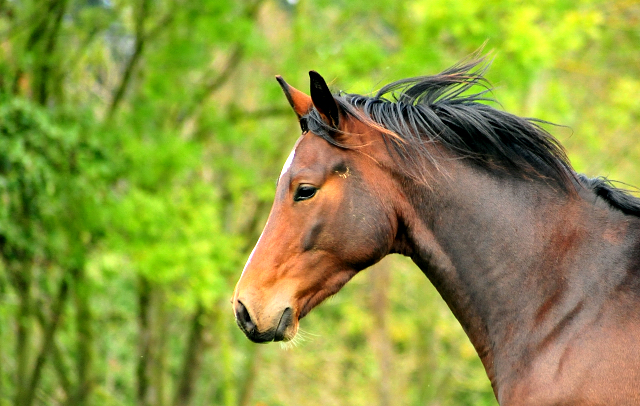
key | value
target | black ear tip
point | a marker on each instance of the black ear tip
(316, 78)
(323, 99)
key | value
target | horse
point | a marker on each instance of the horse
(539, 264)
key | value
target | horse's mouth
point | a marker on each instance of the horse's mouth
(283, 324)
(278, 333)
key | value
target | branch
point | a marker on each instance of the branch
(142, 38)
(58, 362)
(47, 341)
(217, 81)
(20, 274)
(40, 20)
(213, 84)
(144, 340)
(140, 41)
(267, 112)
(49, 49)
(5, 10)
(133, 61)
(40, 29)
(82, 48)
(164, 21)
(84, 339)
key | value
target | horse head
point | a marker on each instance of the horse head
(330, 218)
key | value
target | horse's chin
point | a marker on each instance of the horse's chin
(289, 333)
(287, 326)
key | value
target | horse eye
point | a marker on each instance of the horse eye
(304, 192)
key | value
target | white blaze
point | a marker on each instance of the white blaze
(285, 168)
(288, 162)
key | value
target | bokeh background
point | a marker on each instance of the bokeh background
(140, 141)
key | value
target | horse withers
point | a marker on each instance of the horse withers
(540, 265)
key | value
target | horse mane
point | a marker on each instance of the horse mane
(415, 112)
(616, 197)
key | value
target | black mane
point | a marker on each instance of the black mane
(616, 197)
(440, 109)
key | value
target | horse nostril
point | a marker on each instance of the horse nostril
(244, 319)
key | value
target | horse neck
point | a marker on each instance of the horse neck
(504, 255)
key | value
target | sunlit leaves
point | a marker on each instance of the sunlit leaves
(49, 201)
(175, 186)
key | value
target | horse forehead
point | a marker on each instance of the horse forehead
(291, 157)
(308, 150)
(313, 149)
(288, 162)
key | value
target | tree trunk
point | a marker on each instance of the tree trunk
(427, 366)
(84, 321)
(58, 361)
(47, 343)
(22, 275)
(3, 287)
(247, 383)
(191, 360)
(379, 280)
(144, 340)
(160, 350)
(142, 13)
(45, 73)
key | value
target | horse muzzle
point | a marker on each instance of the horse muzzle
(277, 332)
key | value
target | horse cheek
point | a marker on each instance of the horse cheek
(367, 238)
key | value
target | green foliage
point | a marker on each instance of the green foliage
(49, 192)
(139, 145)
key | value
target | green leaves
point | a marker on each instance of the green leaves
(46, 196)
(162, 197)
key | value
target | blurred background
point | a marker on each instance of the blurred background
(140, 141)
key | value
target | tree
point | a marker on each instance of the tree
(139, 142)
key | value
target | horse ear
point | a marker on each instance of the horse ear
(300, 102)
(323, 99)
